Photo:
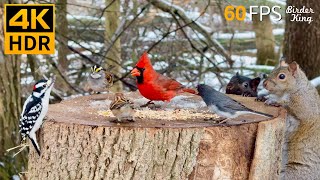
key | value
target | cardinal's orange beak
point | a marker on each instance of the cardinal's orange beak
(135, 72)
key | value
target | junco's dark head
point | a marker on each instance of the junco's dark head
(203, 89)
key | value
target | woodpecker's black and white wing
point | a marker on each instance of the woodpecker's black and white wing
(30, 114)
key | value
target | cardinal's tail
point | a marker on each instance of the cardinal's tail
(189, 90)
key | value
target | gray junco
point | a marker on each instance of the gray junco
(223, 105)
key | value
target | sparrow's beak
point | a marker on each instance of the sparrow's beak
(135, 72)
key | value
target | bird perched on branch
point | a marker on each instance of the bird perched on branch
(122, 108)
(155, 86)
(223, 105)
(34, 110)
(99, 80)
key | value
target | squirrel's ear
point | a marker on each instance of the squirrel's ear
(293, 67)
(254, 83)
(237, 74)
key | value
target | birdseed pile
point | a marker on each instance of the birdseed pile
(169, 115)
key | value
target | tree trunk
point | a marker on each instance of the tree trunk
(302, 40)
(10, 101)
(62, 45)
(62, 34)
(265, 42)
(113, 58)
(87, 145)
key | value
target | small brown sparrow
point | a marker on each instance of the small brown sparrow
(122, 108)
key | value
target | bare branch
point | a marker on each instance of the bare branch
(123, 27)
(175, 10)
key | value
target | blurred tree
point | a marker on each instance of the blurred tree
(113, 57)
(10, 103)
(62, 33)
(265, 42)
(62, 45)
(302, 40)
(32, 62)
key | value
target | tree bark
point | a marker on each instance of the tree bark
(10, 100)
(265, 42)
(113, 57)
(302, 40)
(87, 145)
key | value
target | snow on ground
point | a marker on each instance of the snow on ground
(281, 2)
(87, 28)
(75, 56)
(80, 17)
(27, 80)
(315, 81)
(244, 35)
(15, 177)
(88, 45)
(251, 50)
(160, 65)
(243, 61)
(260, 67)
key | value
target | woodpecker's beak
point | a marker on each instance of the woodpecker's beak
(135, 72)
(51, 81)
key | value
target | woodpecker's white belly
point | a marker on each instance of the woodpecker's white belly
(39, 121)
(45, 106)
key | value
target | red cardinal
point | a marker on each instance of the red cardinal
(153, 85)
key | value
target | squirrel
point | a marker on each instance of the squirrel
(289, 86)
(261, 91)
(263, 94)
(242, 85)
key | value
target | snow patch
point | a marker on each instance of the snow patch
(281, 2)
(261, 67)
(160, 65)
(27, 80)
(244, 35)
(15, 177)
(316, 81)
(79, 17)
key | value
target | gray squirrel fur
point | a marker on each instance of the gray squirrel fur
(301, 151)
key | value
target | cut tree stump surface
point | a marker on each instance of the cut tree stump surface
(94, 111)
(79, 141)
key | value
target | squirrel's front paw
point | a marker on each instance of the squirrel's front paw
(271, 102)
(246, 94)
(261, 99)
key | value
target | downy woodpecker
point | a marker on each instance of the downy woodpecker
(34, 110)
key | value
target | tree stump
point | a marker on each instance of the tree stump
(78, 141)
